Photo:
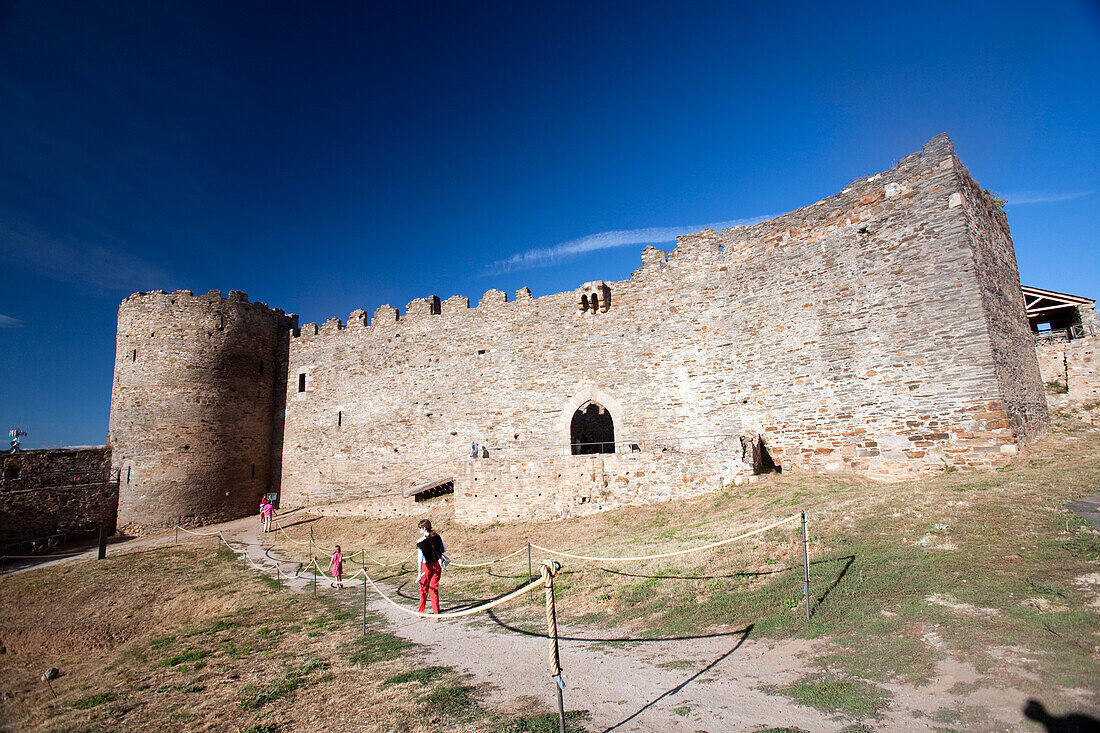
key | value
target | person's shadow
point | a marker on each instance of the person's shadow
(1070, 723)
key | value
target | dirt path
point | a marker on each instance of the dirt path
(715, 681)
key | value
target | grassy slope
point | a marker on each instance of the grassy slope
(996, 552)
(187, 639)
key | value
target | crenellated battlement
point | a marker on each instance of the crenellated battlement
(877, 330)
(843, 217)
(210, 299)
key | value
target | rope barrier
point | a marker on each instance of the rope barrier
(200, 534)
(452, 614)
(484, 564)
(640, 558)
(589, 558)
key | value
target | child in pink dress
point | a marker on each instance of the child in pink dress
(336, 568)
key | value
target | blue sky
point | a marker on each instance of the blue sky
(325, 157)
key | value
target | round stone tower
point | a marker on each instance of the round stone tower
(196, 424)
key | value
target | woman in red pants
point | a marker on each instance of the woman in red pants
(429, 551)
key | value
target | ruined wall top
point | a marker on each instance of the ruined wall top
(807, 225)
(236, 298)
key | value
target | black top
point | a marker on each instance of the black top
(431, 547)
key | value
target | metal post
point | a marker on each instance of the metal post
(806, 564)
(102, 540)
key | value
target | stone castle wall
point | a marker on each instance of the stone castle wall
(1076, 365)
(193, 405)
(872, 331)
(44, 492)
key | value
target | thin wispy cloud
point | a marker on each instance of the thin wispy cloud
(102, 266)
(9, 322)
(1044, 197)
(547, 256)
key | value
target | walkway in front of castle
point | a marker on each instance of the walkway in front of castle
(719, 680)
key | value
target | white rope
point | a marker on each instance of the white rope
(453, 614)
(669, 554)
(200, 534)
(483, 564)
(402, 561)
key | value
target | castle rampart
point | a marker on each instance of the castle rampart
(874, 331)
(878, 331)
(193, 405)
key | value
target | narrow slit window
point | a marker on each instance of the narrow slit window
(480, 352)
(339, 418)
(253, 470)
(133, 356)
(302, 382)
(261, 368)
(127, 474)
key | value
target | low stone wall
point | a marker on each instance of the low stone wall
(488, 491)
(1075, 364)
(44, 492)
(383, 507)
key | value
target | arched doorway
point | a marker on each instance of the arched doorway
(592, 430)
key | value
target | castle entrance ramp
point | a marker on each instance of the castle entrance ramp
(431, 489)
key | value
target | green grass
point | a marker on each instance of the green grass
(376, 646)
(91, 701)
(547, 723)
(423, 675)
(188, 656)
(162, 642)
(833, 694)
(254, 696)
(451, 700)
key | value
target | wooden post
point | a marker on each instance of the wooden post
(102, 540)
(364, 602)
(806, 564)
(530, 593)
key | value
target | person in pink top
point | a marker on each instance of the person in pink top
(336, 568)
(267, 511)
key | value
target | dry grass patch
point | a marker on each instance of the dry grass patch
(186, 637)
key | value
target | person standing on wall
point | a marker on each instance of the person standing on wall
(429, 553)
(473, 450)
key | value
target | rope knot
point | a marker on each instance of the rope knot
(548, 569)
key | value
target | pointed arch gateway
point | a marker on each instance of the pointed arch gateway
(591, 418)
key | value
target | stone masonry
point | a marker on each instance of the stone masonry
(878, 331)
(44, 492)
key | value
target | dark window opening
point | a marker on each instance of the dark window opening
(11, 472)
(480, 352)
(302, 382)
(253, 470)
(594, 303)
(592, 431)
(339, 418)
(133, 357)
(261, 368)
(127, 474)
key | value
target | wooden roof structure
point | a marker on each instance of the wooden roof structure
(1038, 301)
